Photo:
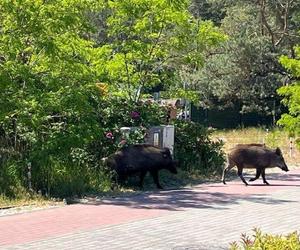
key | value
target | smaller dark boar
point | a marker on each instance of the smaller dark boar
(255, 156)
(140, 159)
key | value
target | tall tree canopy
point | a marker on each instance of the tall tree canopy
(52, 53)
(245, 70)
(48, 73)
(148, 41)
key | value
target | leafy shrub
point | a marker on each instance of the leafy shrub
(11, 185)
(291, 94)
(195, 150)
(268, 242)
(65, 153)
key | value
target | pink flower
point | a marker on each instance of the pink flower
(122, 142)
(109, 135)
(135, 115)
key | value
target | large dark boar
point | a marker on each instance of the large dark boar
(140, 159)
(254, 156)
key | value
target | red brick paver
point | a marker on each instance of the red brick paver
(27, 227)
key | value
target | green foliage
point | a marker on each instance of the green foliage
(194, 149)
(115, 113)
(268, 242)
(212, 10)
(10, 180)
(245, 71)
(149, 41)
(291, 94)
(80, 170)
(133, 137)
(47, 89)
(56, 112)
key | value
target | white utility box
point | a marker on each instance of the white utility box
(160, 136)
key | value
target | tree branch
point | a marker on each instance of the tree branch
(265, 22)
(127, 74)
(285, 23)
(142, 77)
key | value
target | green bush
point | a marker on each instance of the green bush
(57, 76)
(11, 183)
(65, 155)
(195, 150)
(262, 241)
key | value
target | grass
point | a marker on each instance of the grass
(272, 138)
(27, 200)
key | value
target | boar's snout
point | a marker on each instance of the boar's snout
(283, 166)
(280, 160)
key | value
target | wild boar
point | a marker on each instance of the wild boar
(254, 156)
(140, 159)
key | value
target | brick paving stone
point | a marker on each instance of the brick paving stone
(207, 216)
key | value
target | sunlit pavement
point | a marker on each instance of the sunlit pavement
(207, 216)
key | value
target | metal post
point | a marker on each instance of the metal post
(264, 140)
(274, 112)
(185, 110)
(291, 147)
(29, 176)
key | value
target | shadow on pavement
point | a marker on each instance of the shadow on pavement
(214, 195)
(182, 199)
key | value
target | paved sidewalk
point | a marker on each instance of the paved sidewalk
(207, 216)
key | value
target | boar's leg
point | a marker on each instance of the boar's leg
(154, 174)
(240, 174)
(264, 177)
(258, 172)
(230, 165)
(118, 179)
(142, 176)
(224, 174)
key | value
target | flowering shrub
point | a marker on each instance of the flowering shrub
(115, 113)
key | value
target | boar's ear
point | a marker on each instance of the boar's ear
(165, 155)
(166, 152)
(278, 151)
